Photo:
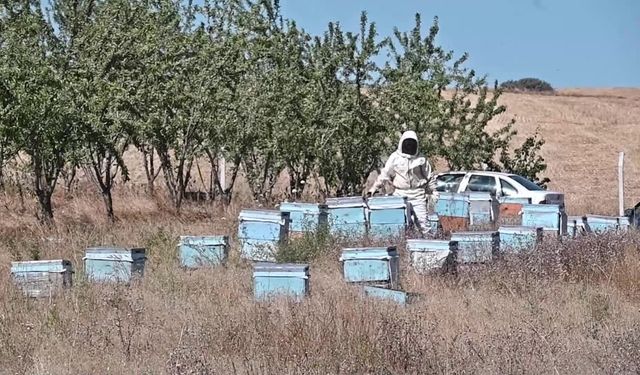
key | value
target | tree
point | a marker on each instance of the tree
(34, 72)
(428, 90)
(99, 38)
(355, 136)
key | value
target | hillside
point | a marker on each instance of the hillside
(584, 130)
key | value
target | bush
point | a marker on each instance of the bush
(527, 85)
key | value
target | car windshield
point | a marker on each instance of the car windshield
(526, 183)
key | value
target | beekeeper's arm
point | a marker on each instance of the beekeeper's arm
(386, 175)
(429, 181)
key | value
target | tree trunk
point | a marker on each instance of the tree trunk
(108, 203)
(46, 206)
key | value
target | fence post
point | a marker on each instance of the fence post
(621, 184)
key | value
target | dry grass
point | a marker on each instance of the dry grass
(584, 131)
(570, 307)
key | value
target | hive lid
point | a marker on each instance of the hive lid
(453, 196)
(601, 217)
(552, 208)
(480, 196)
(420, 245)
(389, 202)
(518, 229)
(312, 208)
(345, 202)
(204, 240)
(515, 200)
(272, 216)
(473, 234)
(280, 269)
(371, 253)
(115, 253)
(53, 265)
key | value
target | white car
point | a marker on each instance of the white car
(498, 183)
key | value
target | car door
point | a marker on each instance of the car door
(482, 183)
(507, 189)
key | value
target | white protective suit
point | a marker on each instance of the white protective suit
(412, 177)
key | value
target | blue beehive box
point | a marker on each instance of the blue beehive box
(198, 251)
(42, 278)
(428, 255)
(624, 223)
(305, 217)
(550, 217)
(387, 216)
(376, 265)
(476, 247)
(452, 205)
(347, 216)
(397, 296)
(453, 211)
(516, 239)
(483, 208)
(261, 232)
(284, 279)
(114, 264)
(601, 224)
(576, 226)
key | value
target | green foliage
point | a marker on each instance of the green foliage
(527, 85)
(82, 83)
(306, 248)
(526, 160)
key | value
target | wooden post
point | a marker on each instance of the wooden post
(621, 183)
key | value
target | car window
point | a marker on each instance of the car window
(449, 182)
(508, 189)
(482, 183)
(526, 183)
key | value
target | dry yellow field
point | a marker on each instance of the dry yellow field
(584, 129)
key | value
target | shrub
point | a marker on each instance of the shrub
(527, 85)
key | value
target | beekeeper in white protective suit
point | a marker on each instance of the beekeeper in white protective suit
(411, 175)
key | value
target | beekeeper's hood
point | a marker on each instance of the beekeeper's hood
(408, 145)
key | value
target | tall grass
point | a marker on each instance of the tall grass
(569, 307)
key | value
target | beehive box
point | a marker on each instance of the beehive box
(347, 216)
(305, 217)
(550, 217)
(510, 209)
(576, 226)
(114, 264)
(387, 216)
(601, 224)
(198, 251)
(261, 232)
(427, 255)
(516, 239)
(483, 208)
(453, 211)
(42, 278)
(280, 279)
(624, 223)
(376, 265)
(398, 296)
(434, 223)
(476, 247)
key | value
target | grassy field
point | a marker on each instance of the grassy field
(571, 307)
